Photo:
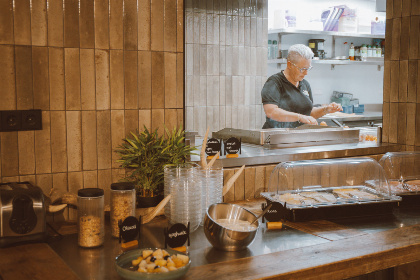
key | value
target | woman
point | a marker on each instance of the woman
(287, 96)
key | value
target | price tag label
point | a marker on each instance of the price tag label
(213, 146)
(232, 146)
(275, 213)
(129, 229)
(177, 235)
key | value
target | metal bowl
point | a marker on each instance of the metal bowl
(223, 238)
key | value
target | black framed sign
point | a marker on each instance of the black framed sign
(213, 146)
(177, 235)
(232, 146)
(129, 229)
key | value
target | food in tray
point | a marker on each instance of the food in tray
(159, 261)
(413, 185)
(320, 196)
(397, 187)
(296, 199)
(238, 225)
(353, 193)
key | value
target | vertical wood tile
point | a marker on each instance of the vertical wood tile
(180, 26)
(75, 183)
(249, 182)
(74, 140)
(268, 170)
(117, 174)
(170, 80)
(7, 74)
(9, 154)
(411, 124)
(117, 79)
(259, 180)
(388, 43)
(58, 141)
(116, 26)
(56, 79)
(397, 8)
(402, 123)
(145, 79)
(395, 72)
(28, 178)
(145, 119)
(55, 23)
(405, 38)
(103, 96)
(117, 134)
(131, 121)
(22, 22)
(43, 145)
(385, 127)
(130, 80)
(158, 120)
(144, 35)
(89, 151)
(170, 118)
(415, 7)
(412, 80)
(414, 37)
(39, 29)
(157, 20)
(396, 37)
(40, 78)
(10, 179)
(72, 78)
(6, 22)
(87, 79)
(403, 81)
(61, 186)
(393, 122)
(103, 139)
(180, 80)
(26, 143)
(86, 24)
(418, 83)
(389, 9)
(104, 182)
(130, 25)
(102, 30)
(417, 141)
(71, 24)
(240, 186)
(158, 74)
(406, 8)
(24, 86)
(44, 181)
(230, 195)
(90, 179)
(170, 26)
(180, 118)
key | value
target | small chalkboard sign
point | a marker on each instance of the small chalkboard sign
(213, 146)
(274, 214)
(232, 146)
(177, 235)
(129, 229)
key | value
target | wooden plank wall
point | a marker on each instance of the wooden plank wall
(401, 108)
(97, 69)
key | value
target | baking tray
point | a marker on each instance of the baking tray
(409, 197)
(341, 208)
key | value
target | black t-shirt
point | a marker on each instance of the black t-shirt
(279, 91)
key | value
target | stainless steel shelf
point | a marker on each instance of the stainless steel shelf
(287, 31)
(335, 61)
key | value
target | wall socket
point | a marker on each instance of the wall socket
(20, 120)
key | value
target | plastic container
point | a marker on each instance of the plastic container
(269, 56)
(90, 217)
(185, 204)
(369, 51)
(351, 52)
(330, 189)
(274, 50)
(363, 52)
(211, 182)
(123, 204)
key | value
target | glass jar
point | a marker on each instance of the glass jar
(123, 204)
(90, 217)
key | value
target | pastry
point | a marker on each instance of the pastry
(396, 187)
(320, 197)
(413, 185)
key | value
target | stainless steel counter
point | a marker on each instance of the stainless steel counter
(257, 155)
(98, 263)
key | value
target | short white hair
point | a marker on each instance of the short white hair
(298, 51)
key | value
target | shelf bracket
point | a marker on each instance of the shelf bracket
(332, 66)
(379, 67)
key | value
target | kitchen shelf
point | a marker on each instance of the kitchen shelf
(333, 62)
(288, 31)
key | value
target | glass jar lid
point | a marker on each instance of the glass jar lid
(123, 186)
(90, 192)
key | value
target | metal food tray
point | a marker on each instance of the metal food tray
(410, 198)
(342, 208)
(408, 190)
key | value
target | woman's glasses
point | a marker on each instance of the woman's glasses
(301, 69)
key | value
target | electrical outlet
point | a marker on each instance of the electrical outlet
(11, 120)
(20, 120)
(32, 120)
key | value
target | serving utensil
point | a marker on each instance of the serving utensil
(263, 212)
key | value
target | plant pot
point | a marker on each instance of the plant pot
(146, 202)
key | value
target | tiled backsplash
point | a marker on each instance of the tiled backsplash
(226, 63)
(98, 70)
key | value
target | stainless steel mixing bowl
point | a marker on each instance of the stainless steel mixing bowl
(223, 238)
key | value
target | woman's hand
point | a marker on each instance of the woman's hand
(307, 119)
(332, 108)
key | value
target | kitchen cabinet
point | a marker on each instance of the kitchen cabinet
(379, 61)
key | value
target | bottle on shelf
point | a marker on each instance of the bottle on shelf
(363, 52)
(269, 56)
(351, 51)
(378, 51)
(275, 50)
(369, 51)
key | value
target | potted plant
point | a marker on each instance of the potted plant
(144, 156)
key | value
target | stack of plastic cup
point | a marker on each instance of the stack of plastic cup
(184, 207)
